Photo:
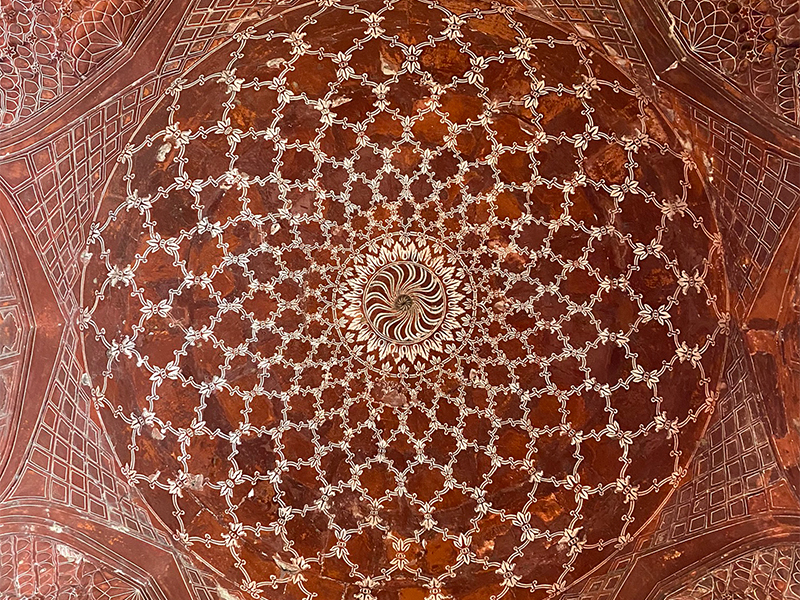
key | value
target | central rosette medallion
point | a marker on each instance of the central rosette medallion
(405, 303)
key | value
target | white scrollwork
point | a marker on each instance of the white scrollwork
(404, 299)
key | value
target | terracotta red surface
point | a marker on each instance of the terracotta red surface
(405, 300)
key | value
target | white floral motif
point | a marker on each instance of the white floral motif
(402, 304)
(403, 299)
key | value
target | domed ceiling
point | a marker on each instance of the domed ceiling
(401, 300)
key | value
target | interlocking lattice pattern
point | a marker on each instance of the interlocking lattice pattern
(382, 329)
(735, 461)
(56, 184)
(604, 23)
(70, 462)
(758, 189)
(210, 23)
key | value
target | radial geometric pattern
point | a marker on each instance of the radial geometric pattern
(47, 47)
(102, 30)
(709, 32)
(413, 300)
(35, 567)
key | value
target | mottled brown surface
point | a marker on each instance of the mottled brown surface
(296, 389)
(414, 396)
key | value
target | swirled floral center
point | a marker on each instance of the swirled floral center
(405, 302)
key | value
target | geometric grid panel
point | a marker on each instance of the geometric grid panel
(55, 184)
(735, 465)
(758, 188)
(604, 23)
(208, 24)
(732, 477)
(767, 573)
(70, 462)
(402, 303)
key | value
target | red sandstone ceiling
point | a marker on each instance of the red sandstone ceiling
(399, 300)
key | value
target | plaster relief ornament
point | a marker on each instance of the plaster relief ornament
(48, 48)
(404, 299)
